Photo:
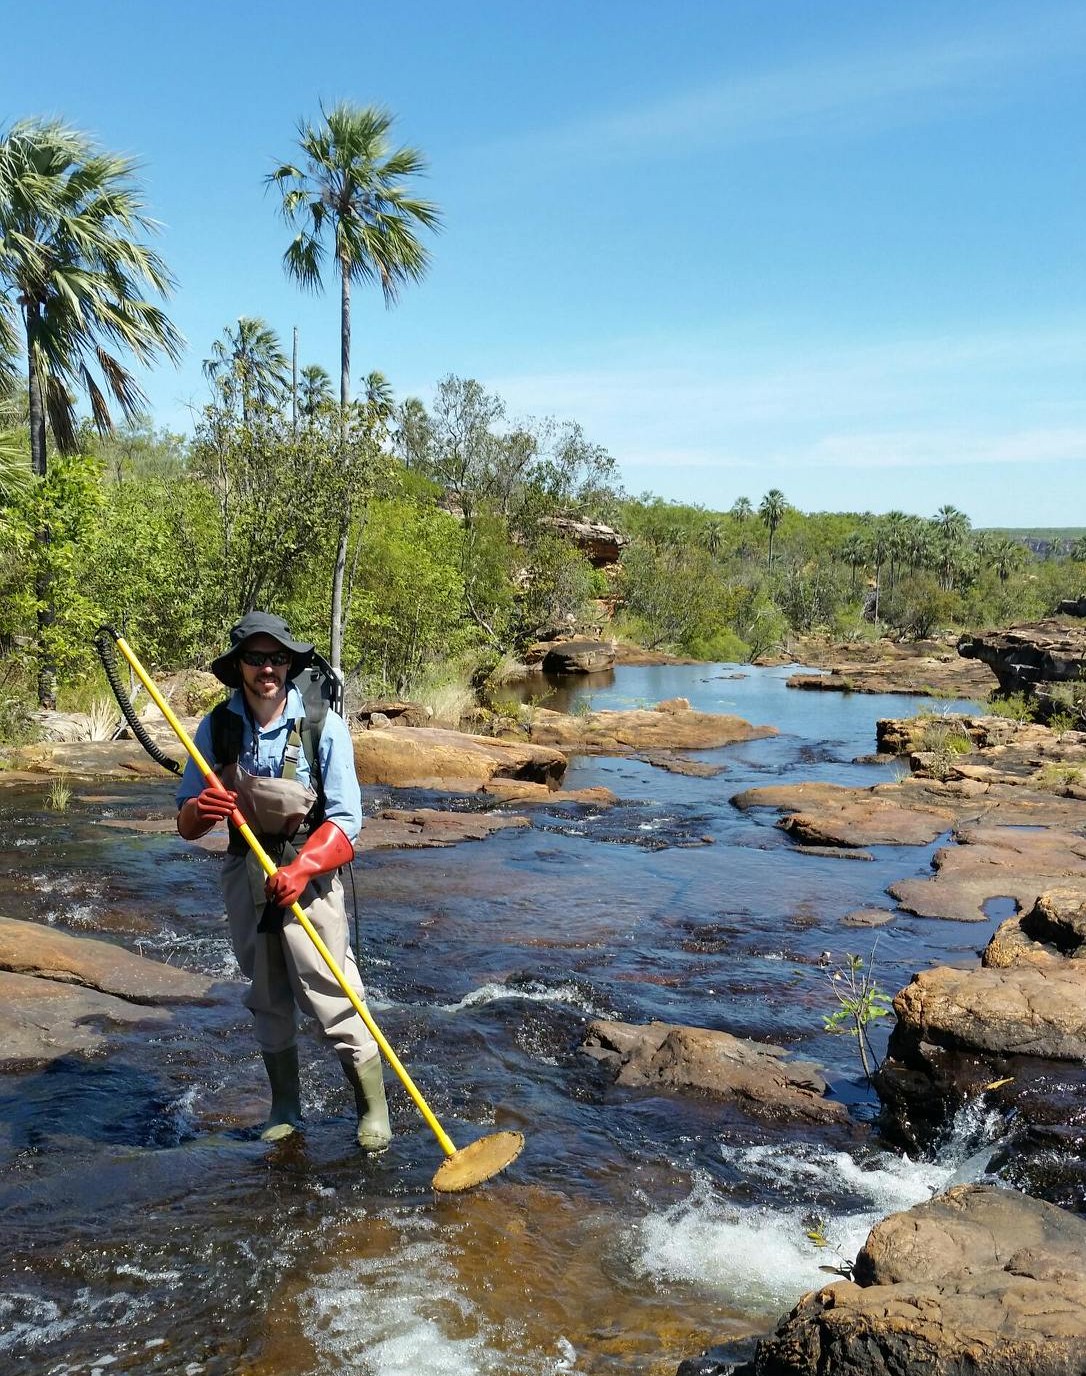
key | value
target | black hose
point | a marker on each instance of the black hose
(105, 641)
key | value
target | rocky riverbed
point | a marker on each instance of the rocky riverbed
(1002, 1028)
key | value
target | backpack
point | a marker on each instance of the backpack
(322, 691)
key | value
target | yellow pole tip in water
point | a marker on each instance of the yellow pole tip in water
(478, 1161)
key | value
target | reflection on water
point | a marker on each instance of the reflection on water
(148, 1231)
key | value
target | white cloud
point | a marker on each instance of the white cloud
(860, 91)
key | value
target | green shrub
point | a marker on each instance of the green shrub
(1013, 706)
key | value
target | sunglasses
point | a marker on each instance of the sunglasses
(256, 659)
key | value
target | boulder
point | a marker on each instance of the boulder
(695, 1060)
(403, 713)
(978, 1280)
(450, 761)
(578, 657)
(1012, 1032)
(600, 544)
(1022, 1011)
(1049, 651)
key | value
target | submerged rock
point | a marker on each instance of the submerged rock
(684, 1060)
(979, 1280)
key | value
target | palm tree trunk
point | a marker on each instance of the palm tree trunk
(43, 577)
(335, 632)
(344, 334)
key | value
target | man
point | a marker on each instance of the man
(254, 745)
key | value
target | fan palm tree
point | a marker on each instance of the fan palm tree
(315, 389)
(349, 200)
(712, 536)
(248, 364)
(74, 275)
(771, 509)
(952, 532)
(854, 554)
(379, 395)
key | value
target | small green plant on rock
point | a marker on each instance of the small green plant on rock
(60, 795)
(1013, 706)
(860, 1002)
(1057, 778)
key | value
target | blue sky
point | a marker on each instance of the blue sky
(820, 245)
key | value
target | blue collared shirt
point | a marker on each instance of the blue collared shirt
(262, 753)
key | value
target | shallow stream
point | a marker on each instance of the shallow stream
(145, 1230)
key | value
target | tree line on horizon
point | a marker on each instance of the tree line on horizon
(418, 537)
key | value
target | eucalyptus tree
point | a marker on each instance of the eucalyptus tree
(349, 200)
(75, 273)
(771, 509)
(248, 365)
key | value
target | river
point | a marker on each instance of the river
(145, 1230)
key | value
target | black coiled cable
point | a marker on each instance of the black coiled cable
(105, 642)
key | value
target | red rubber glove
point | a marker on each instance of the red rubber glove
(324, 851)
(213, 804)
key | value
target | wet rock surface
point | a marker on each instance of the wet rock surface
(979, 1280)
(695, 1060)
(832, 815)
(992, 862)
(60, 994)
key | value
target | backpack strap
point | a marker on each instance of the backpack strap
(226, 736)
(226, 733)
(309, 728)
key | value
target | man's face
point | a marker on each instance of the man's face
(265, 681)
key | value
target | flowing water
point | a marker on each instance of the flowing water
(146, 1230)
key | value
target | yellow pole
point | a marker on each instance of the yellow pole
(269, 868)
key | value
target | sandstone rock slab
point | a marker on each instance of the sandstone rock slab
(979, 1280)
(684, 1060)
(27, 948)
(450, 761)
(43, 1019)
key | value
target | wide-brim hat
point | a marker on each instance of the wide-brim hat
(225, 666)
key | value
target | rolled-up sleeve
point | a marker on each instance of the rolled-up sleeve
(342, 795)
(192, 781)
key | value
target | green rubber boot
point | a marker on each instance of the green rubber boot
(368, 1083)
(286, 1108)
